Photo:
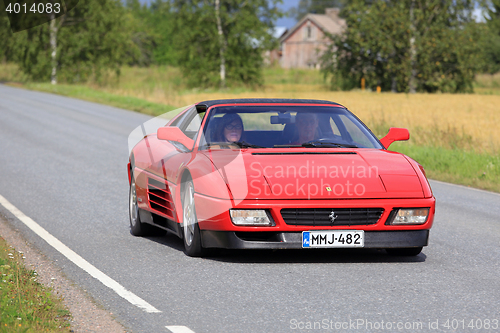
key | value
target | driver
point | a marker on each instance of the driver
(230, 128)
(307, 125)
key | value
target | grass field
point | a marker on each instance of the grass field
(455, 136)
(25, 304)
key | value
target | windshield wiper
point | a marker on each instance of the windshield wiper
(327, 144)
(243, 144)
(287, 146)
(240, 144)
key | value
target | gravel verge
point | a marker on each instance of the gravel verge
(87, 316)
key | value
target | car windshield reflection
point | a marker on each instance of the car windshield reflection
(285, 127)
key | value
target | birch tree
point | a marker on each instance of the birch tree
(221, 42)
(91, 39)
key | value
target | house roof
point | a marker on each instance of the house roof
(324, 22)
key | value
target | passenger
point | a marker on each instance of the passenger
(230, 128)
(307, 125)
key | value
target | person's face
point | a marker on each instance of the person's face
(306, 125)
(232, 131)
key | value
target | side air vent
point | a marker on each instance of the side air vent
(160, 198)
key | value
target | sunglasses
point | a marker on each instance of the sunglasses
(233, 127)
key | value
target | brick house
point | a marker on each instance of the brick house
(303, 45)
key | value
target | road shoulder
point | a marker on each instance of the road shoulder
(87, 316)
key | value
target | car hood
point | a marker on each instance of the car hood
(316, 174)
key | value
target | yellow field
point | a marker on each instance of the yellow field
(465, 121)
(472, 119)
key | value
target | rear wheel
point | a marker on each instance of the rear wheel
(191, 230)
(405, 252)
(137, 228)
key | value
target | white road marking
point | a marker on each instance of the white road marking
(179, 329)
(78, 260)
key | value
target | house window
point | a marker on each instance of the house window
(309, 32)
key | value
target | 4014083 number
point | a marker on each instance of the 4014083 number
(36, 8)
(473, 324)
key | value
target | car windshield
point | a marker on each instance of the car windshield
(285, 126)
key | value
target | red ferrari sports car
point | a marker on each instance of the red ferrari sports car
(277, 174)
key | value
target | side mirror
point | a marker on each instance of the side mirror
(172, 133)
(395, 134)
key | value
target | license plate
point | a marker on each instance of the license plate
(330, 238)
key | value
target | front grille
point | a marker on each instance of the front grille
(321, 216)
(160, 198)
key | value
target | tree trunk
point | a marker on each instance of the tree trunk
(222, 46)
(53, 46)
(413, 51)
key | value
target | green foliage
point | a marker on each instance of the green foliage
(92, 38)
(246, 28)
(162, 21)
(491, 41)
(314, 7)
(31, 50)
(382, 35)
(152, 33)
(142, 33)
(5, 35)
(97, 37)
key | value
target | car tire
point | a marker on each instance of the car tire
(137, 228)
(404, 252)
(190, 228)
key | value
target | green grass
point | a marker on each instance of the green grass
(456, 166)
(25, 304)
(95, 95)
(278, 75)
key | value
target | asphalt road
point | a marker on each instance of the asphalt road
(63, 164)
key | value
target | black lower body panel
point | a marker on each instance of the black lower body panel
(293, 240)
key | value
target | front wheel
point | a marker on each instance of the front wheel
(405, 252)
(137, 228)
(191, 230)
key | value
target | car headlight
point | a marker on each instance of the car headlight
(250, 217)
(410, 216)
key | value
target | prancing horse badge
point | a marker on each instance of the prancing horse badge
(332, 216)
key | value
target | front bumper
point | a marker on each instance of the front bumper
(293, 240)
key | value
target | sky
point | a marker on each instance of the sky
(287, 22)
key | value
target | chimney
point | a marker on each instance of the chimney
(333, 13)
